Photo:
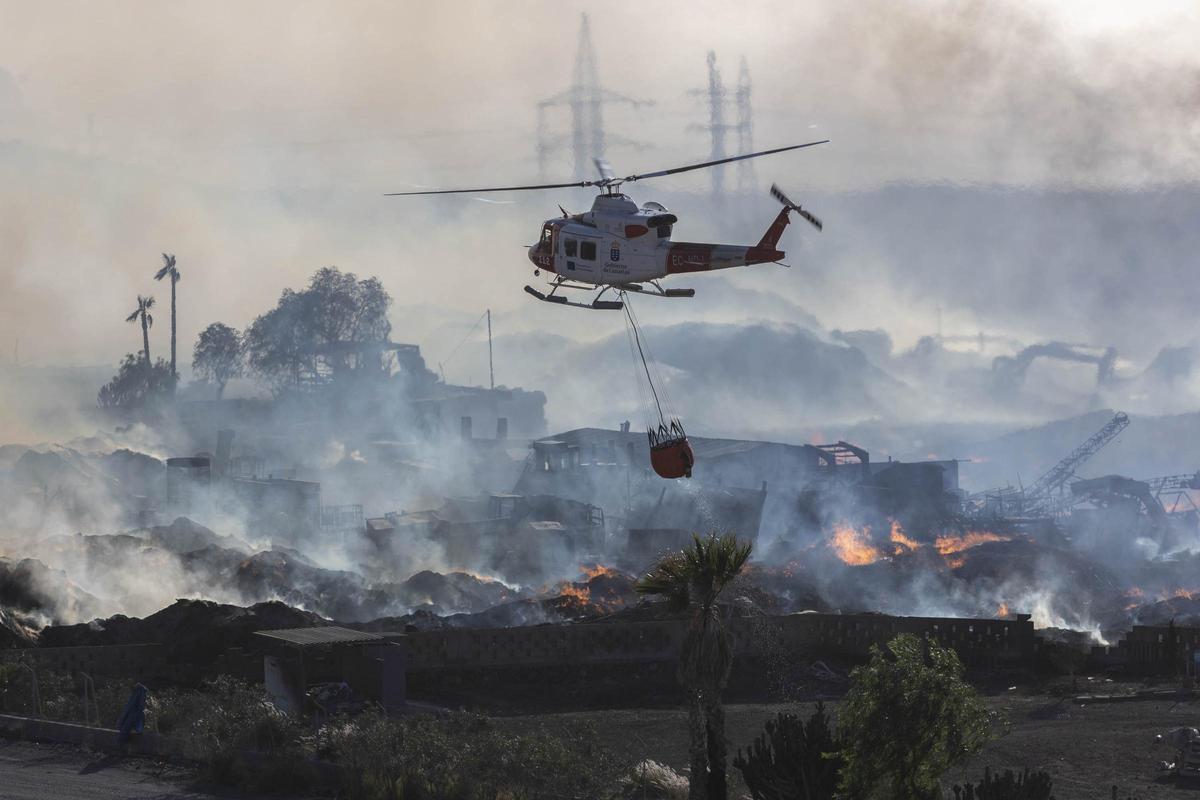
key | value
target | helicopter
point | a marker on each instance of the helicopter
(620, 247)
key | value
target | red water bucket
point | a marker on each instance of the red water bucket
(672, 459)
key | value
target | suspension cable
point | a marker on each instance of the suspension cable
(638, 339)
(464, 340)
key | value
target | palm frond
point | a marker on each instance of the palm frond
(699, 572)
(134, 315)
(149, 321)
(162, 273)
(671, 579)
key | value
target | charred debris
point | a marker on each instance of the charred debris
(372, 524)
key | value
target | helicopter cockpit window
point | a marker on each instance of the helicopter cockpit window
(569, 247)
(587, 251)
(547, 239)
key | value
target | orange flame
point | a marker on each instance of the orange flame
(1002, 611)
(946, 545)
(956, 561)
(902, 541)
(580, 594)
(596, 571)
(854, 546)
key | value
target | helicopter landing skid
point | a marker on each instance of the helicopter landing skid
(596, 305)
(655, 290)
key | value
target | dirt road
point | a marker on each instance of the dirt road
(31, 771)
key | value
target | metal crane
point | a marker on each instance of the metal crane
(1042, 495)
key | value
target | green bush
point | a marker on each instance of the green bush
(461, 757)
(792, 760)
(909, 717)
(1026, 786)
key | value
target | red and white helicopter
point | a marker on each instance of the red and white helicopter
(620, 247)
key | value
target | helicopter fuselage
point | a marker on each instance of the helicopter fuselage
(616, 243)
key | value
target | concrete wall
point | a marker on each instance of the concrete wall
(981, 643)
(1146, 649)
(141, 661)
(105, 739)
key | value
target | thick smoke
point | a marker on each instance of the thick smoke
(995, 170)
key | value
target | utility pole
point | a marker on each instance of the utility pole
(491, 368)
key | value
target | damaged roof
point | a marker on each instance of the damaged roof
(325, 634)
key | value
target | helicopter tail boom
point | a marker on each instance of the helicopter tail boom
(771, 238)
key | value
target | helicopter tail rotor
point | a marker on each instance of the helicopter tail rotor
(813, 220)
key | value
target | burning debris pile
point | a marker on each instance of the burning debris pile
(32, 595)
(972, 573)
(598, 592)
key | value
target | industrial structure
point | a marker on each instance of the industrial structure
(1048, 496)
(585, 99)
(716, 97)
(1009, 371)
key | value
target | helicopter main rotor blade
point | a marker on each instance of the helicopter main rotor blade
(579, 184)
(690, 167)
(607, 178)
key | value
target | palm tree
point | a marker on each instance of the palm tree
(169, 268)
(143, 312)
(692, 580)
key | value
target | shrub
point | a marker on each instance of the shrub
(909, 716)
(61, 695)
(461, 757)
(792, 760)
(1026, 786)
(239, 736)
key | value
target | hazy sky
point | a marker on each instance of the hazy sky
(254, 139)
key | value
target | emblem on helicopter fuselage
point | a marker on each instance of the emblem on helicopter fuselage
(614, 253)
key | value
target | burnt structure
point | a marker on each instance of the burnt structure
(736, 484)
(523, 536)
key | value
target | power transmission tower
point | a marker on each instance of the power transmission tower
(716, 96)
(747, 181)
(585, 98)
